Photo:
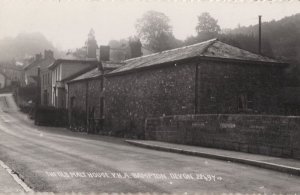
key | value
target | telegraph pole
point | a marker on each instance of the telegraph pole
(38, 94)
(259, 34)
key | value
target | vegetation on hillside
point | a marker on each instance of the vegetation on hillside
(24, 45)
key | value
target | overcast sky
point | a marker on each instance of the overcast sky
(67, 22)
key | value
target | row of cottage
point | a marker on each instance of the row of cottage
(211, 77)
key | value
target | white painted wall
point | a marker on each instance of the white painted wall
(2, 80)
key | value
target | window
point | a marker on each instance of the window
(246, 101)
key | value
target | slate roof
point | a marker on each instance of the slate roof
(60, 60)
(108, 65)
(88, 75)
(33, 64)
(43, 63)
(209, 49)
(82, 72)
(111, 65)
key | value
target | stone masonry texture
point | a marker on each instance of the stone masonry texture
(260, 134)
(85, 99)
(130, 98)
(170, 90)
(221, 83)
(77, 105)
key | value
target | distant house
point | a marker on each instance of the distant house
(63, 70)
(206, 78)
(31, 70)
(13, 73)
(4, 80)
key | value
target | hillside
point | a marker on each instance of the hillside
(281, 36)
(24, 45)
(280, 40)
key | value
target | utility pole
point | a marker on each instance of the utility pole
(259, 34)
(38, 94)
(38, 101)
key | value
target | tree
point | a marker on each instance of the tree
(135, 47)
(207, 28)
(207, 24)
(119, 50)
(155, 31)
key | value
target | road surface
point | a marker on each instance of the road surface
(57, 160)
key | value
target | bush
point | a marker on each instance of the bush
(51, 116)
(27, 109)
(28, 93)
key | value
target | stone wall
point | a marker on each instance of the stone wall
(94, 95)
(260, 134)
(130, 98)
(85, 109)
(222, 86)
(77, 105)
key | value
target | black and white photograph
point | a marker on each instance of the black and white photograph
(149, 97)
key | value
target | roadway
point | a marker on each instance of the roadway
(57, 160)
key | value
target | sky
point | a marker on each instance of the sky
(66, 23)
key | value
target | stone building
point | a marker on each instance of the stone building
(86, 100)
(14, 74)
(42, 63)
(210, 77)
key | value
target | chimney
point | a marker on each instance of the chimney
(38, 57)
(48, 54)
(104, 53)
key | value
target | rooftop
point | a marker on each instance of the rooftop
(72, 59)
(43, 63)
(210, 49)
(107, 65)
